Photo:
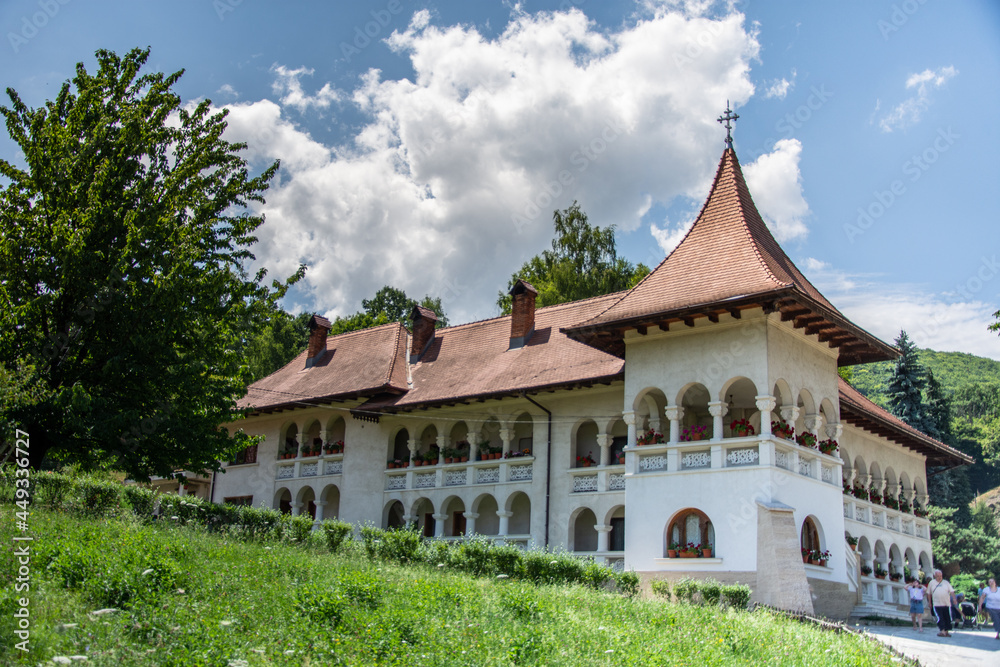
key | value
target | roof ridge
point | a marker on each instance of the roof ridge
(741, 189)
(395, 354)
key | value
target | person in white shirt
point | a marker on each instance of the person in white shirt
(916, 591)
(989, 600)
(942, 597)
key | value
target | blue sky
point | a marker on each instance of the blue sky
(425, 144)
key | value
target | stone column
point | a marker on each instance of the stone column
(811, 423)
(654, 423)
(442, 443)
(629, 419)
(765, 404)
(718, 410)
(789, 413)
(603, 537)
(411, 444)
(604, 442)
(320, 504)
(505, 436)
(296, 507)
(473, 438)
(470, 523)
(834, 431)
(675, 414)
(439, 520)
(504, 522)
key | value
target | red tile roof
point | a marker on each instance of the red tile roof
(357, 363)
(727, 259)
(473, 360)
(856, 409)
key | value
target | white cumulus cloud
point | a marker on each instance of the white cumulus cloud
(909, 111)
(451, 182)
(287, 84)
(776, 184)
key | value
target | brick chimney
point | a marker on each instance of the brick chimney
(319, 327)
(424, 321)
(522, 318)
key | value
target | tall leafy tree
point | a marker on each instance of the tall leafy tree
(124, 243)
(396, 306)
(582, 263)
(276, 343)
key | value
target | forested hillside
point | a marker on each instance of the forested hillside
(952, 369)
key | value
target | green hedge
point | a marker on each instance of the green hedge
(706, 591)
(477, 555)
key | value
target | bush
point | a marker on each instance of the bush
(320, 604)
(371, 537)
(142, 501)
(627, 583)
(966, 583)
(685, 589)
(736, 596)
(298, 527)
(100, 498)
(711, 591)
(52, 489)
(661, 587)
(595, 575)
(336, 532)
(402, 546)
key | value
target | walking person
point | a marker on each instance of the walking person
(942, 597)
(989, 600)
(916, 591)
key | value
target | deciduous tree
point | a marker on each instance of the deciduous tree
(124, 246)
(582, 263)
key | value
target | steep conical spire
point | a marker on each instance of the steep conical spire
(728, 252)
(729, 260)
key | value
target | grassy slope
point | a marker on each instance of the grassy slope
(279, 604)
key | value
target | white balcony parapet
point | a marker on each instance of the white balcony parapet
(584, 483)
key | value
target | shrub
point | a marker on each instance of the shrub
(436, 553)
(595, 575)
(299, 527)
(627, 583)
(402, 546)
(371, 537)
(52, 489)
(100, 498)
(736, 595)
(711, 591)
(336, 532)
(142, 501)
(661, 587)
(685, 589)
(966, 583)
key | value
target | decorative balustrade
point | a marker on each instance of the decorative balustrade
(743, 452)
(495, 471)
(597, 480)
(873, 514)
(314, 466)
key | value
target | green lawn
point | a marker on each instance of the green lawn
(187, 597)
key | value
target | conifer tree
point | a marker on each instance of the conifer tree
(906, 385)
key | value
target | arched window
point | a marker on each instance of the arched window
(691, 526)
(809, 538)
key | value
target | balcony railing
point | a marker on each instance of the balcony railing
(312, 466)
(731, 453)
(873, 514)
(598, 480)
(496, 471)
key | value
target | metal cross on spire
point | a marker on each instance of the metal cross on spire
(728, 118)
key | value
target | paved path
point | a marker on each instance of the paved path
(965, 648)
